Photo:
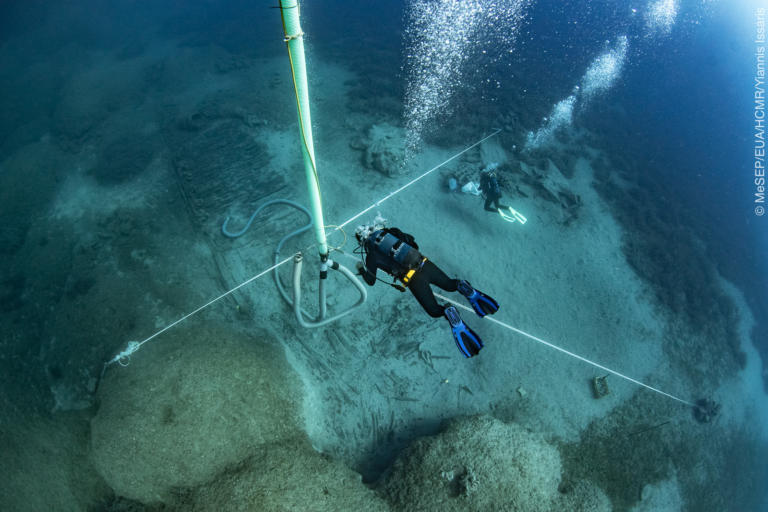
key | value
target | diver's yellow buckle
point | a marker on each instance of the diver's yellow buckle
(513, 215)
(407, 277)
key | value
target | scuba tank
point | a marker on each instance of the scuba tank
(396, 255)
(490, 185)
(400, 255)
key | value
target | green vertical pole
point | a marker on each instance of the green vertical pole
(294, 39)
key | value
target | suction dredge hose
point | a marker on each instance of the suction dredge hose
(304, 318)
(294, 41)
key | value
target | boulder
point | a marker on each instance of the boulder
(45, 463)
(285, 476)
(191, 403)
(479, 464)
(384, 149)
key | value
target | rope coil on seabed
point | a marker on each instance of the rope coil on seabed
(123, 357)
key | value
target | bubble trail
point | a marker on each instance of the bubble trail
(660, 17)
(600, 76)
(441, 38)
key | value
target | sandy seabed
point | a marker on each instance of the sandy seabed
(240, 408)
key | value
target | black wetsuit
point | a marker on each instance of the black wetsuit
(427, 273)
(489, 186)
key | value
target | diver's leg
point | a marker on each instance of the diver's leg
(419, 286)
(467, 340)
(488, 201)
(437, 277)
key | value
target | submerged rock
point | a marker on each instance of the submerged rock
(286, 476)
(383, 149)
(188, 406)
(479, 464)
(45, 464)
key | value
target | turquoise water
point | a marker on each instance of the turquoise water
(627, 135)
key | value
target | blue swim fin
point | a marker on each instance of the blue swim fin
(467, 340)
(481, 303)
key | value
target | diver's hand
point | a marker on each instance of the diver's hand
(359, 267)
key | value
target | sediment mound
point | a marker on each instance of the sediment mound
(188, 406)
(479, 464)
(282, 477)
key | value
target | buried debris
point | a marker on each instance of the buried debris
(705, 410)
(600, 386)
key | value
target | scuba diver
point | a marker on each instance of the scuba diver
(489, 186)
(397, 254)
